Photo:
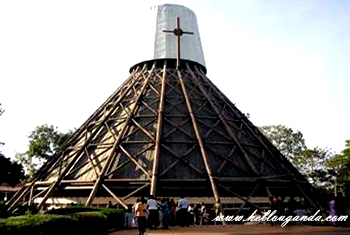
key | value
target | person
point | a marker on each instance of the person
(141, 213)
(332, 211)
(182, 213)
(165, 213)
(205, 217)
(197, 214)
(172, 212)
(109, 205)
(202, 211)
(152, 207)
(190, 215)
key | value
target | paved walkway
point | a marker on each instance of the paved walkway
(240, 230)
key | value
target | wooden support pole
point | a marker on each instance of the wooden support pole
(222, 96)
(117, 142)
(31, 195)
(52, 164)
(40, 193)
(134, 161)
(67, 169)
(158, 133)
(227, 127)
(199, 138)
(23, 194)
(9, 202)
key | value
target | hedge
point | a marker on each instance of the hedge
(115, 217)
(75, 220)
(39, 225)
(91, 222)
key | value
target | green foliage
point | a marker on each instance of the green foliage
(115, 217)
(10, 172)
(91, 222)
(341, 167)
(39, 224)
(44, 141)
(313, 162)
(289, 142)
(71, 220)
(310, 162)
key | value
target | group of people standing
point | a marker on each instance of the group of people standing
(151, 213)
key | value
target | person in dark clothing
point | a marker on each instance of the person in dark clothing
(165, 213)
(153, 217)
(182, 213)
(197, 214)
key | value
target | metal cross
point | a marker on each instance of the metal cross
(178, 32)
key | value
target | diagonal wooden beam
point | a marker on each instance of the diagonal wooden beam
(244, 119)
(239, 196)
(248, 198)
(120, 137)
(134, 161)
(114, 196)
(112, 171)
(177, 127)
(158, 133)
(228, 129)
(135, 191)
(199, 138)
(228, 158)
(96, 129)
(180, 158)
(143, 129)
(136, 130)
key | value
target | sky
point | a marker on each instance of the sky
(283, 62)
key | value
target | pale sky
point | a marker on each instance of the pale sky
(283, 62)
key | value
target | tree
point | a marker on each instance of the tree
(290, 143)
(314, 166)
(10, 172)
(310, 162)
(341, 167)
(44, 141)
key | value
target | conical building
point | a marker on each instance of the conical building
(168, 131)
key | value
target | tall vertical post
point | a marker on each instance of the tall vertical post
(158, 134)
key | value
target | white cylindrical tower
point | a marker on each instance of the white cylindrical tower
(162, 45)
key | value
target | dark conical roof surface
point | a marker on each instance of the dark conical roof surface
(169, 132)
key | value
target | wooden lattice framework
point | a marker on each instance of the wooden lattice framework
(167, 131)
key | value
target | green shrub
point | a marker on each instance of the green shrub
(115, 217)
(91, 222)
(39, 225)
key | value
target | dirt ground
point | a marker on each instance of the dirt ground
(239, 229)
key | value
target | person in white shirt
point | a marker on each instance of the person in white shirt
(182, 213)
(152, 207)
